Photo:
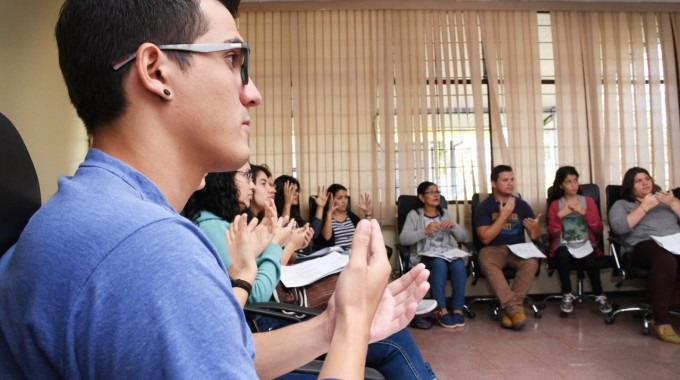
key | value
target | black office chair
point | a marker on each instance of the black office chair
(406, 203)
(603, 262)
(623, 255)
(19, 187)
(475, 270)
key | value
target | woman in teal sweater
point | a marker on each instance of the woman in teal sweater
(214, 207)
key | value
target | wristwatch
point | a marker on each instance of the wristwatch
(245, 285)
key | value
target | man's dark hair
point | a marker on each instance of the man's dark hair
(91, 34)
(497, 170)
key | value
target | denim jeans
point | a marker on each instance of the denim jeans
(440, 271)
(395, 357)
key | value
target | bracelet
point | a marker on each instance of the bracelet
(643, 209)
(238, 283)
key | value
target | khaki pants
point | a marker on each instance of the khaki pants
(492, 260)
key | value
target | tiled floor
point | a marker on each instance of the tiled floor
(579, 347)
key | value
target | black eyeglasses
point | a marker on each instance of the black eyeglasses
(240, 59)
(246, 173)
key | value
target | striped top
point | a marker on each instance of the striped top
(343, 231)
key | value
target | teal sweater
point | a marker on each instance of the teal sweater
(268, 263)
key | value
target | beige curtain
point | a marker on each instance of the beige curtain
(616, 79)
(350, 96)
(319, 80)
(510, 41)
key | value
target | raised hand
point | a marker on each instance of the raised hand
(241, 250)
(650, 201)
(283, 231)
(332, 206)
(321, 198)
(533, 226)
(446, 224)
(366, 204)
(398, 301)
(507, 208)
(665, 197)
(431, 227)
(288, 196)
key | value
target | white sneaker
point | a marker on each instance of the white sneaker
(567, 305)
(603, 304)
(426, 306)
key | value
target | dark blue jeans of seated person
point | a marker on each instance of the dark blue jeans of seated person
(395, 357)
(440, 271)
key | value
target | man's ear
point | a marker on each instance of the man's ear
(153, 68)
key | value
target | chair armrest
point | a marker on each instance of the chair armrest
(281, 311)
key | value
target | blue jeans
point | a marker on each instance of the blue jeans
(440, 271)
(395, 357)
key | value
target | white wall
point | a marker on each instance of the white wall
(33, 94)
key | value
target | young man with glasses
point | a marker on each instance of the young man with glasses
(500, 220)
(107, 279)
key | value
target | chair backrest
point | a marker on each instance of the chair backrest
(613, 194)
(406, 203)
(474, 202)
(19, 188)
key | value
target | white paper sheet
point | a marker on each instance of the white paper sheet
(311, 270)
(449, 255)
(669, 242)
(582, 251)
(526, 250)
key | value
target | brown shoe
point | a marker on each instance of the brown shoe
(506, 321)
(519, 319)
(665, 333)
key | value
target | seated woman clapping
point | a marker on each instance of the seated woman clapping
(430, 232)
(640, 213)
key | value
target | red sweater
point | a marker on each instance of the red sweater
(592, 218)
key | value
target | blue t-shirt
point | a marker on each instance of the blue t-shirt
(513, 231)
(108, 281)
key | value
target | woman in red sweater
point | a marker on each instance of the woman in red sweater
(573, 225)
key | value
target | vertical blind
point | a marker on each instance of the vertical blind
(358, 97)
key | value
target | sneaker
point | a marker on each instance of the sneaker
(446, 320)
(603, 304)
(426, 306)
(519, 319)
(506, 321)
(665, 333)
(567, 305)
(459, 320)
